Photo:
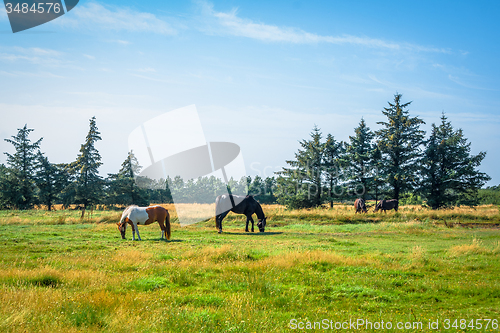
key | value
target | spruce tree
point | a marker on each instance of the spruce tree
(21, 169)
(50, 180)
(333, 164)
(300, 185)
(450, 172)
(360, 152)
(4, 198)
(123, 187)
(400, 142)
(88, 184)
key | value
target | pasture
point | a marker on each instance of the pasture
(63, 274)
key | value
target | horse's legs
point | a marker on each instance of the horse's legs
(133, 230)
(137, 230)
(162, 227)
(246, 226)
(218, 221)
(251, 220)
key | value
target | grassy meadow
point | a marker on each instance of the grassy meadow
(61, 273)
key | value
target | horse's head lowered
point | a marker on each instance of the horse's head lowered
(122, 227)
(262, 224)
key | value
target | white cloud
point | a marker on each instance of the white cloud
(88, 56)
(460, 82)
(146, 70)
(231, 24)
(46, 75)
(32, 55)
(94, 16)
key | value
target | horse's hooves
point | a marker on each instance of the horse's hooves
(220, 231)
(246, 230)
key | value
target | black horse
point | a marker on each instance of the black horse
(239, 205)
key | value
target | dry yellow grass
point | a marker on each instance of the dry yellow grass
(476, 247)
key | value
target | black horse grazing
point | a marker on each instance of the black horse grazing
(245, 205)
(387, 205)
(360, 205)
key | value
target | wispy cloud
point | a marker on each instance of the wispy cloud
(32, 55)
(146, 70)
(123, 42)
(460, 82)
(230, 23)
(95, 16)
(46, 75)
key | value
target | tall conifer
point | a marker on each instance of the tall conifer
(21, 169)
(89, 185)
(400, 141)
(449, 170)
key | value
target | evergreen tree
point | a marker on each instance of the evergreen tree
(449, 170)
(88, 185)
(21, 169)
(123, 188)
(67, 176)
(379, 184)
(4, 184)
(50, 181)
(300, 185)
(399, 141)
(333, 164)
(360, 152)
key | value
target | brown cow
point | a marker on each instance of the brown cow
(360, 206)
(387, 205)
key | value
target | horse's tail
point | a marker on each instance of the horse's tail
(167, 225)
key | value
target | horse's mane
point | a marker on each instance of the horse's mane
(126, 212)
(258, 210)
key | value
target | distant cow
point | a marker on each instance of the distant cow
(360, 206)
(387, 205)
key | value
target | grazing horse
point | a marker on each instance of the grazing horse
(360, 206)
(387, 205)
(246, 205)
(135, 215)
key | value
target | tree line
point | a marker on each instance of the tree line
(29, 179)
(396, 161)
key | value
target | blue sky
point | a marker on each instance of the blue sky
(260, 73)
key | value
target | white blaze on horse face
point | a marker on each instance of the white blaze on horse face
(138, 215)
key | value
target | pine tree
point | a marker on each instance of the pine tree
(360, 152)
(21, 168)
(400, 140)
(300, 185)
(89, 185)
(49, 179)
(123, 188)
(379, 184)
(4, 198)
(449, 170)
(333, 164)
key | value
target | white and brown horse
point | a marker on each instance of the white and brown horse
(135, 215)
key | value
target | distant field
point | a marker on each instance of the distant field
(63, 274)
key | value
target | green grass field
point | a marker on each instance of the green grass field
(63, 274)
